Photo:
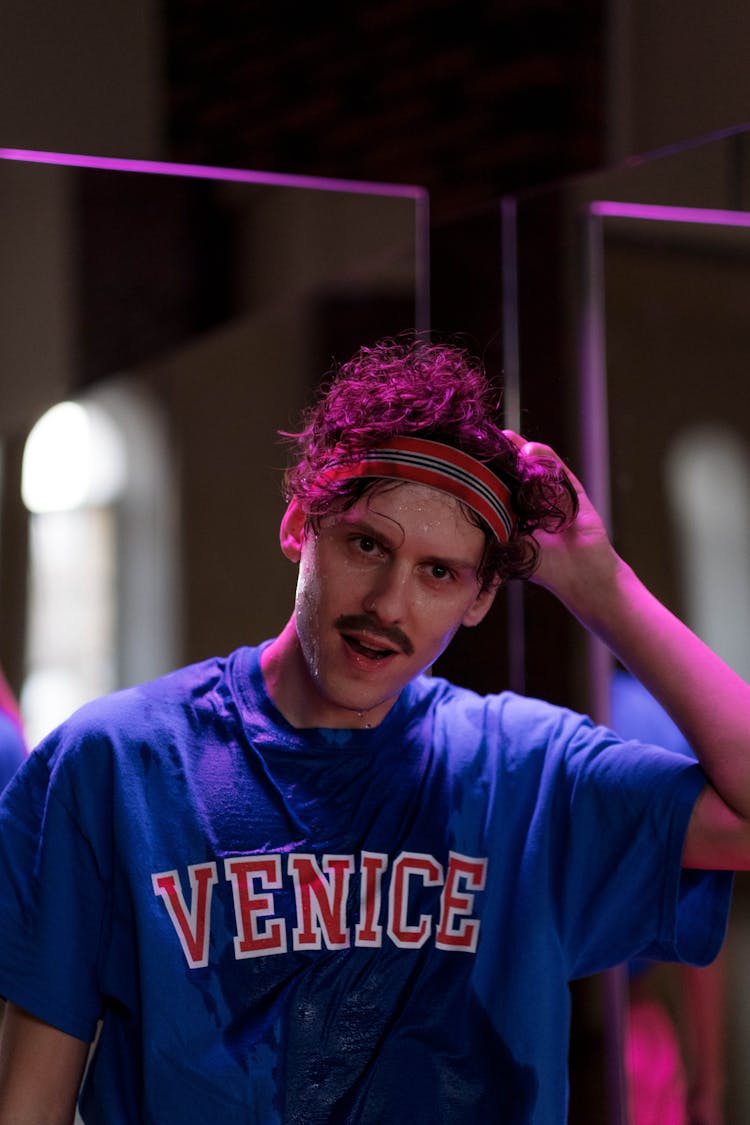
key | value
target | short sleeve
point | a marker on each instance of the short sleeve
(52, 898)
(628, 810)
(605, 826)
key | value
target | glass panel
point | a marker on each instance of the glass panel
(219, 298)
(631, 338)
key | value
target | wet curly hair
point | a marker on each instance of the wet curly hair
(410, 386)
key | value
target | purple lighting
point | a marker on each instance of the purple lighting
(206, 172)
(709, 216)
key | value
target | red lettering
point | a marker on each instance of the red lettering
(369, 931)
(253, 938)
(321, 890)
(192, 926)
(455, 929)
(409, 864)
(321, 903)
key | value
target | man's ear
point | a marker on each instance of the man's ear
(292, 530)
(481, 606)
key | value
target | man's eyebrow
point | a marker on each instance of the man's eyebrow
(362, 524)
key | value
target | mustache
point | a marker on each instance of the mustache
(362, 623)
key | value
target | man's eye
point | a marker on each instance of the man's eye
(366, 544)
(440, 572)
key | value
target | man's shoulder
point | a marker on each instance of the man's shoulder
(441, 692)
(156, 710)
(510, 717)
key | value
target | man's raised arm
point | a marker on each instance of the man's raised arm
(707, 700)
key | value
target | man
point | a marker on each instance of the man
(309, 883)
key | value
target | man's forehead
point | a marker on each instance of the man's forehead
(408, 496)
(403, 507)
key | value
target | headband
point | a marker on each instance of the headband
(438, 466)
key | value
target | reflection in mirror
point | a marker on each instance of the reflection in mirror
(707, 471)
(677, 351)
(196, 308)
(629, 332)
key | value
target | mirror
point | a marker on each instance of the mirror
(631, 339)
(198, 308)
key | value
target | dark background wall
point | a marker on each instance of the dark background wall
(470, 100)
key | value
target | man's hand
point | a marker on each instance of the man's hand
(575, 564)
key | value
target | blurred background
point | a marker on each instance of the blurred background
(204, 204)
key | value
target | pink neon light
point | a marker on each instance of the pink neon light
(206, 172)
(709, 216)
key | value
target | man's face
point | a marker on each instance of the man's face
(382, 589)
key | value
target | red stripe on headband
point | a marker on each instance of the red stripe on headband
(438, 466)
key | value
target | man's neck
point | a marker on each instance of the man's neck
(292, 689)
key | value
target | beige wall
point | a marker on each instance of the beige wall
(675, 70)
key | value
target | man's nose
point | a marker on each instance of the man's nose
(389, 594)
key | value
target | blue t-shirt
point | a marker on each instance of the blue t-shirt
(326, 926)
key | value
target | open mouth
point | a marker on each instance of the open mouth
(370, 651)
(371, 640)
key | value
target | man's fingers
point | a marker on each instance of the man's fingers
(517, 440)
(531, 448)
(536, 450)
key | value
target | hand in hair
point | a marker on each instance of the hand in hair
(576, 561)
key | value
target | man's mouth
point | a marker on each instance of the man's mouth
(370, 650)
(371, 639)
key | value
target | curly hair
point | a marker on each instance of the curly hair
(409, 386)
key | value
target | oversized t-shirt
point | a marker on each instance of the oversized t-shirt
(328, 926)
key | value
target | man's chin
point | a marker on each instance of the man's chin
(355, 709)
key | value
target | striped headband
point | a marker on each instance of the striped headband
(438, 466)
